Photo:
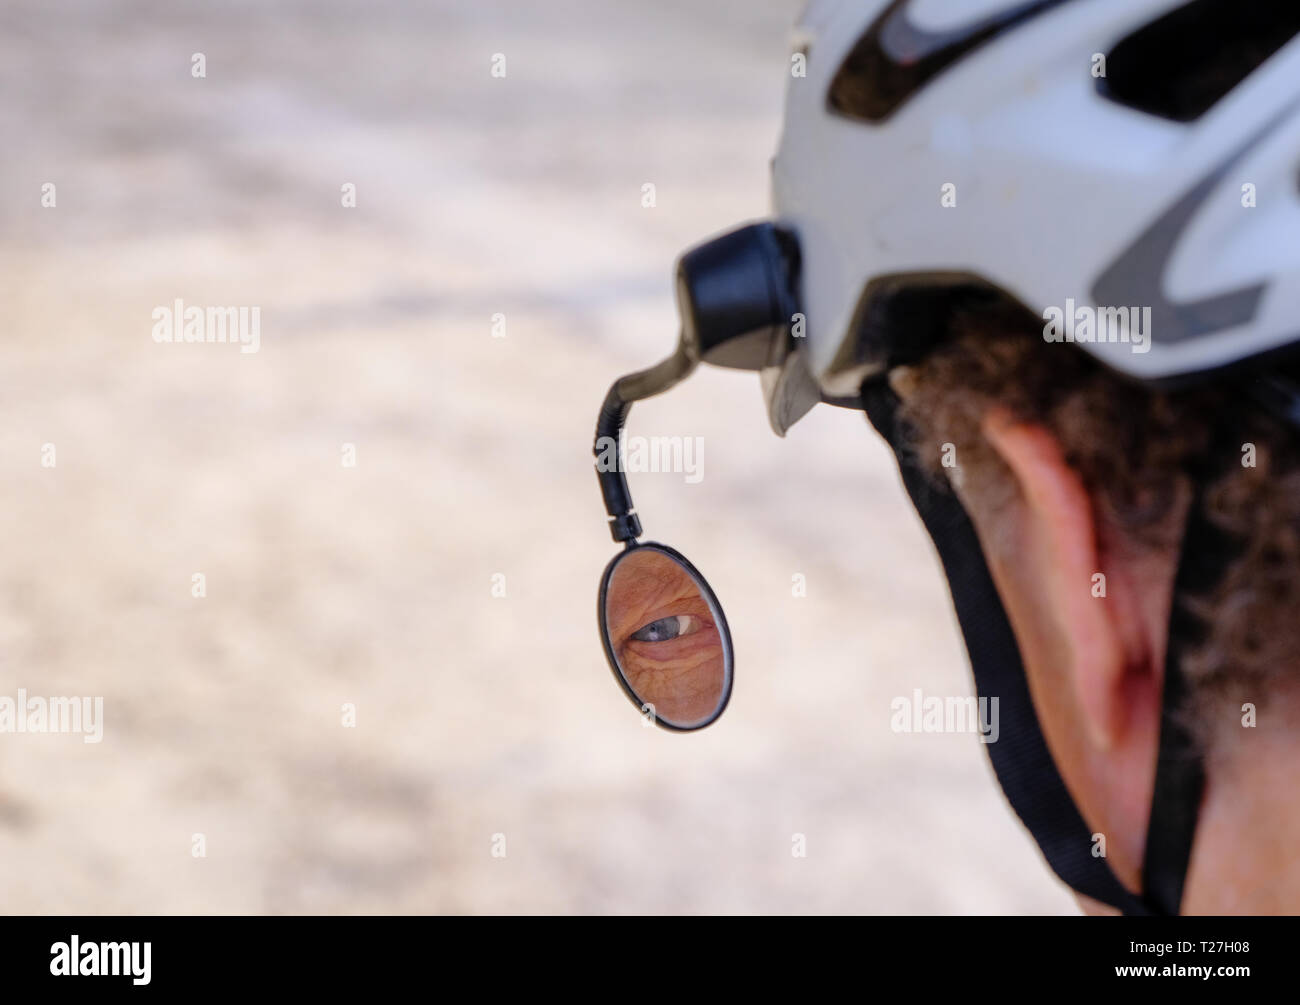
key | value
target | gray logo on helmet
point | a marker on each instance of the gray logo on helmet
(1137, 276)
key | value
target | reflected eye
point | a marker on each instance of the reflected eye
(667, 628)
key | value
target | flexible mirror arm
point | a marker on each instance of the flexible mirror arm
(624, 525)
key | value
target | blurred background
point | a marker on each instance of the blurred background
(327, 585)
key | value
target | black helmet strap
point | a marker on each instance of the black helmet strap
(1021, 760)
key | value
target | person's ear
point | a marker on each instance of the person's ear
(1056, 555)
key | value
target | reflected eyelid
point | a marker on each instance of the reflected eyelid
(669, 610)
(694, 623)
(706, 621)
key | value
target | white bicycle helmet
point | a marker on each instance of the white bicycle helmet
(1108, 153)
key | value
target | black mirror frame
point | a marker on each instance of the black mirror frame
(728, 654)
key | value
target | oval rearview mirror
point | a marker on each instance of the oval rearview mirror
(665, 637)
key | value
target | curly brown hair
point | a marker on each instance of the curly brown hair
(1133, 448)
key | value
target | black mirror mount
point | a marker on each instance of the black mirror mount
(735, 295)
(624, 525)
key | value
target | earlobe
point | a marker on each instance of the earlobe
(1058, 556)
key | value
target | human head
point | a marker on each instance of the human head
(1078, 483)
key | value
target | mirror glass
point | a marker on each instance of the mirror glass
(666, 637)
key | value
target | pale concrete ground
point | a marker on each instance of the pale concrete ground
(476, 715)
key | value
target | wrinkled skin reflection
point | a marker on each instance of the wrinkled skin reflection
(665, 638)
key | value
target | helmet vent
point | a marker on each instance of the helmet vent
(895, 59)
(1179, 66)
